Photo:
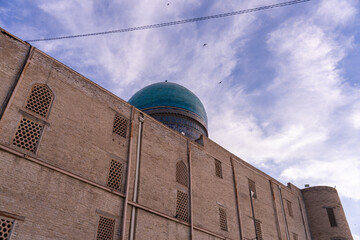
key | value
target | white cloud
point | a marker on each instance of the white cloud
(333, 13)
(302, 120)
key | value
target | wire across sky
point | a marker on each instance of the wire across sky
(165, 24)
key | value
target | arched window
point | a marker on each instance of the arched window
(181, 173)
(40, 100)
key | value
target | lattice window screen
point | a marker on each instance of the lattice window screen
(218, 169)
(223, 219)
(258, 229)
(105, 229)
(40, 100)
(289, 206)
(5, 228)
(28, 135)
(182, 206)
(181, 173)
(120, 126)
(115, 175)
(252, 187)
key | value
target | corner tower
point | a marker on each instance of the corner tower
(325, 213)
(175, 106)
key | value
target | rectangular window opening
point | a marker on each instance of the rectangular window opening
(6, 226)
(223, 219)
(105, 229)
(28, 135)
(182, 206)
(289, 206)
(115, 175)
(331, 215)
(120, 126)
(258, 230)
(252, 188)
(295, 236)
(218, 169)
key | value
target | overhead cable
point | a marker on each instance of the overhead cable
(159, 25)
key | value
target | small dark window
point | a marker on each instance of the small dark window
(182, 206)
(218, 169)
(223, 219)
(252, 188)
(120, 126)
(331, 215)
(295, 236)
(181, 173)
(289, 206)
(105, 229)
(258, 230)
(5, 228)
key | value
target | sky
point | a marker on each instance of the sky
(281, 87)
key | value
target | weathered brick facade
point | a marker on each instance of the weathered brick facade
(75, 177)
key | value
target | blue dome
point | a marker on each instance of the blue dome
(165, 95)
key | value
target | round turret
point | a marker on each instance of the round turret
(325, 214)
(175, 106)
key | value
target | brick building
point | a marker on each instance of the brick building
(78, 162)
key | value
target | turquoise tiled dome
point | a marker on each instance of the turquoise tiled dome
(165, 95)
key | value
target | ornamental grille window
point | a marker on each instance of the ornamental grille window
(105, 229)
(28, 135)
(289, 206)
(120, 126)
(331, 215)
(223, 219)
(295, 236)
(181, 173)
(218, 169)
(258, 230)
(115, 175)
(5, 228)
(40, 99)
(252, 188)
(182, 206)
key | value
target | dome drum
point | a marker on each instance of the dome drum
(177, 111)
(183, 124)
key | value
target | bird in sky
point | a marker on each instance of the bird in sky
(205, 44)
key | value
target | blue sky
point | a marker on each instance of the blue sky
(289, 101)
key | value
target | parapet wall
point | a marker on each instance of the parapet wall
(325, 213)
